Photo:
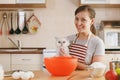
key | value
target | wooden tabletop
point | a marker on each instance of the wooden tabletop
(76, 75)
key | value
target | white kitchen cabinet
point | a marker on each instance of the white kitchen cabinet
(94, 1)
(22, 3)
(5, 61)
(26, 61)
(7, 1)
(31, 1)
(114, 2)
(101, 3)
(21, 61)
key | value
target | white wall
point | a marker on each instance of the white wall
(57, 20)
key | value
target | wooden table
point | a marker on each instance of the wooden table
(76, 75)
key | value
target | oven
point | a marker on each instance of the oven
(111, 34)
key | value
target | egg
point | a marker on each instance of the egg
(25, 76)
(16, 75)
(30, 73)
(21, 72)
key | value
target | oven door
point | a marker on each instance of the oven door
(112, 38)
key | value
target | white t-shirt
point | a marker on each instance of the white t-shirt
(95, 46)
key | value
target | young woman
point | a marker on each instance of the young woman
(85, 45)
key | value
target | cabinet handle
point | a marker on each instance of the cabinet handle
(26, 59)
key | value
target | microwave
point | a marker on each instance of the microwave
(111, 38)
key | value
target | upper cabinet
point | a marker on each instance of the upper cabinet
(102, 3)
(22, 3)
(30, 1)
(7, 1)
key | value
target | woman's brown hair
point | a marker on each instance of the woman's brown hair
(91, 14)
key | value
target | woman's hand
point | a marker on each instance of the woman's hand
(62, 52)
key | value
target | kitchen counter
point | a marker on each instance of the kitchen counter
(21, 51)
(76, 75)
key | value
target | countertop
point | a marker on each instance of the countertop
(76, 75)
(24, 50)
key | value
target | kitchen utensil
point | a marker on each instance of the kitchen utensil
(18, 31)
(25, 29)
(6, 23)
(60, 66)
(11, 30)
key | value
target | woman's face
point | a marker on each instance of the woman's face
(83, 22)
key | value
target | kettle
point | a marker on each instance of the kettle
(1, 72)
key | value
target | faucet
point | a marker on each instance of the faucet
(18, 45)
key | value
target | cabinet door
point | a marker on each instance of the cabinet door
(100, 1)
(22, 3)
(5, 61)
(26, 61)
(31, 1)
(94, 1)
(114, 1)
(7, 1)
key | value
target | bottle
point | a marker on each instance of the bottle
(111, 74)
(118, 70)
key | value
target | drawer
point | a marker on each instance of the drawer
(26, 67)
(27, 59)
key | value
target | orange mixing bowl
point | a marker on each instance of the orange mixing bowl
(60, 66)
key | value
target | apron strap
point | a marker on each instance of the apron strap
(74, 41)
(88, 39)
(77, 35)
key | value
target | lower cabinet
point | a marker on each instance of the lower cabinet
(5, 61)
(21, 61)
(26, 61)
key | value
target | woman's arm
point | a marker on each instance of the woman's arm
(81, 66)
(96, 58)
